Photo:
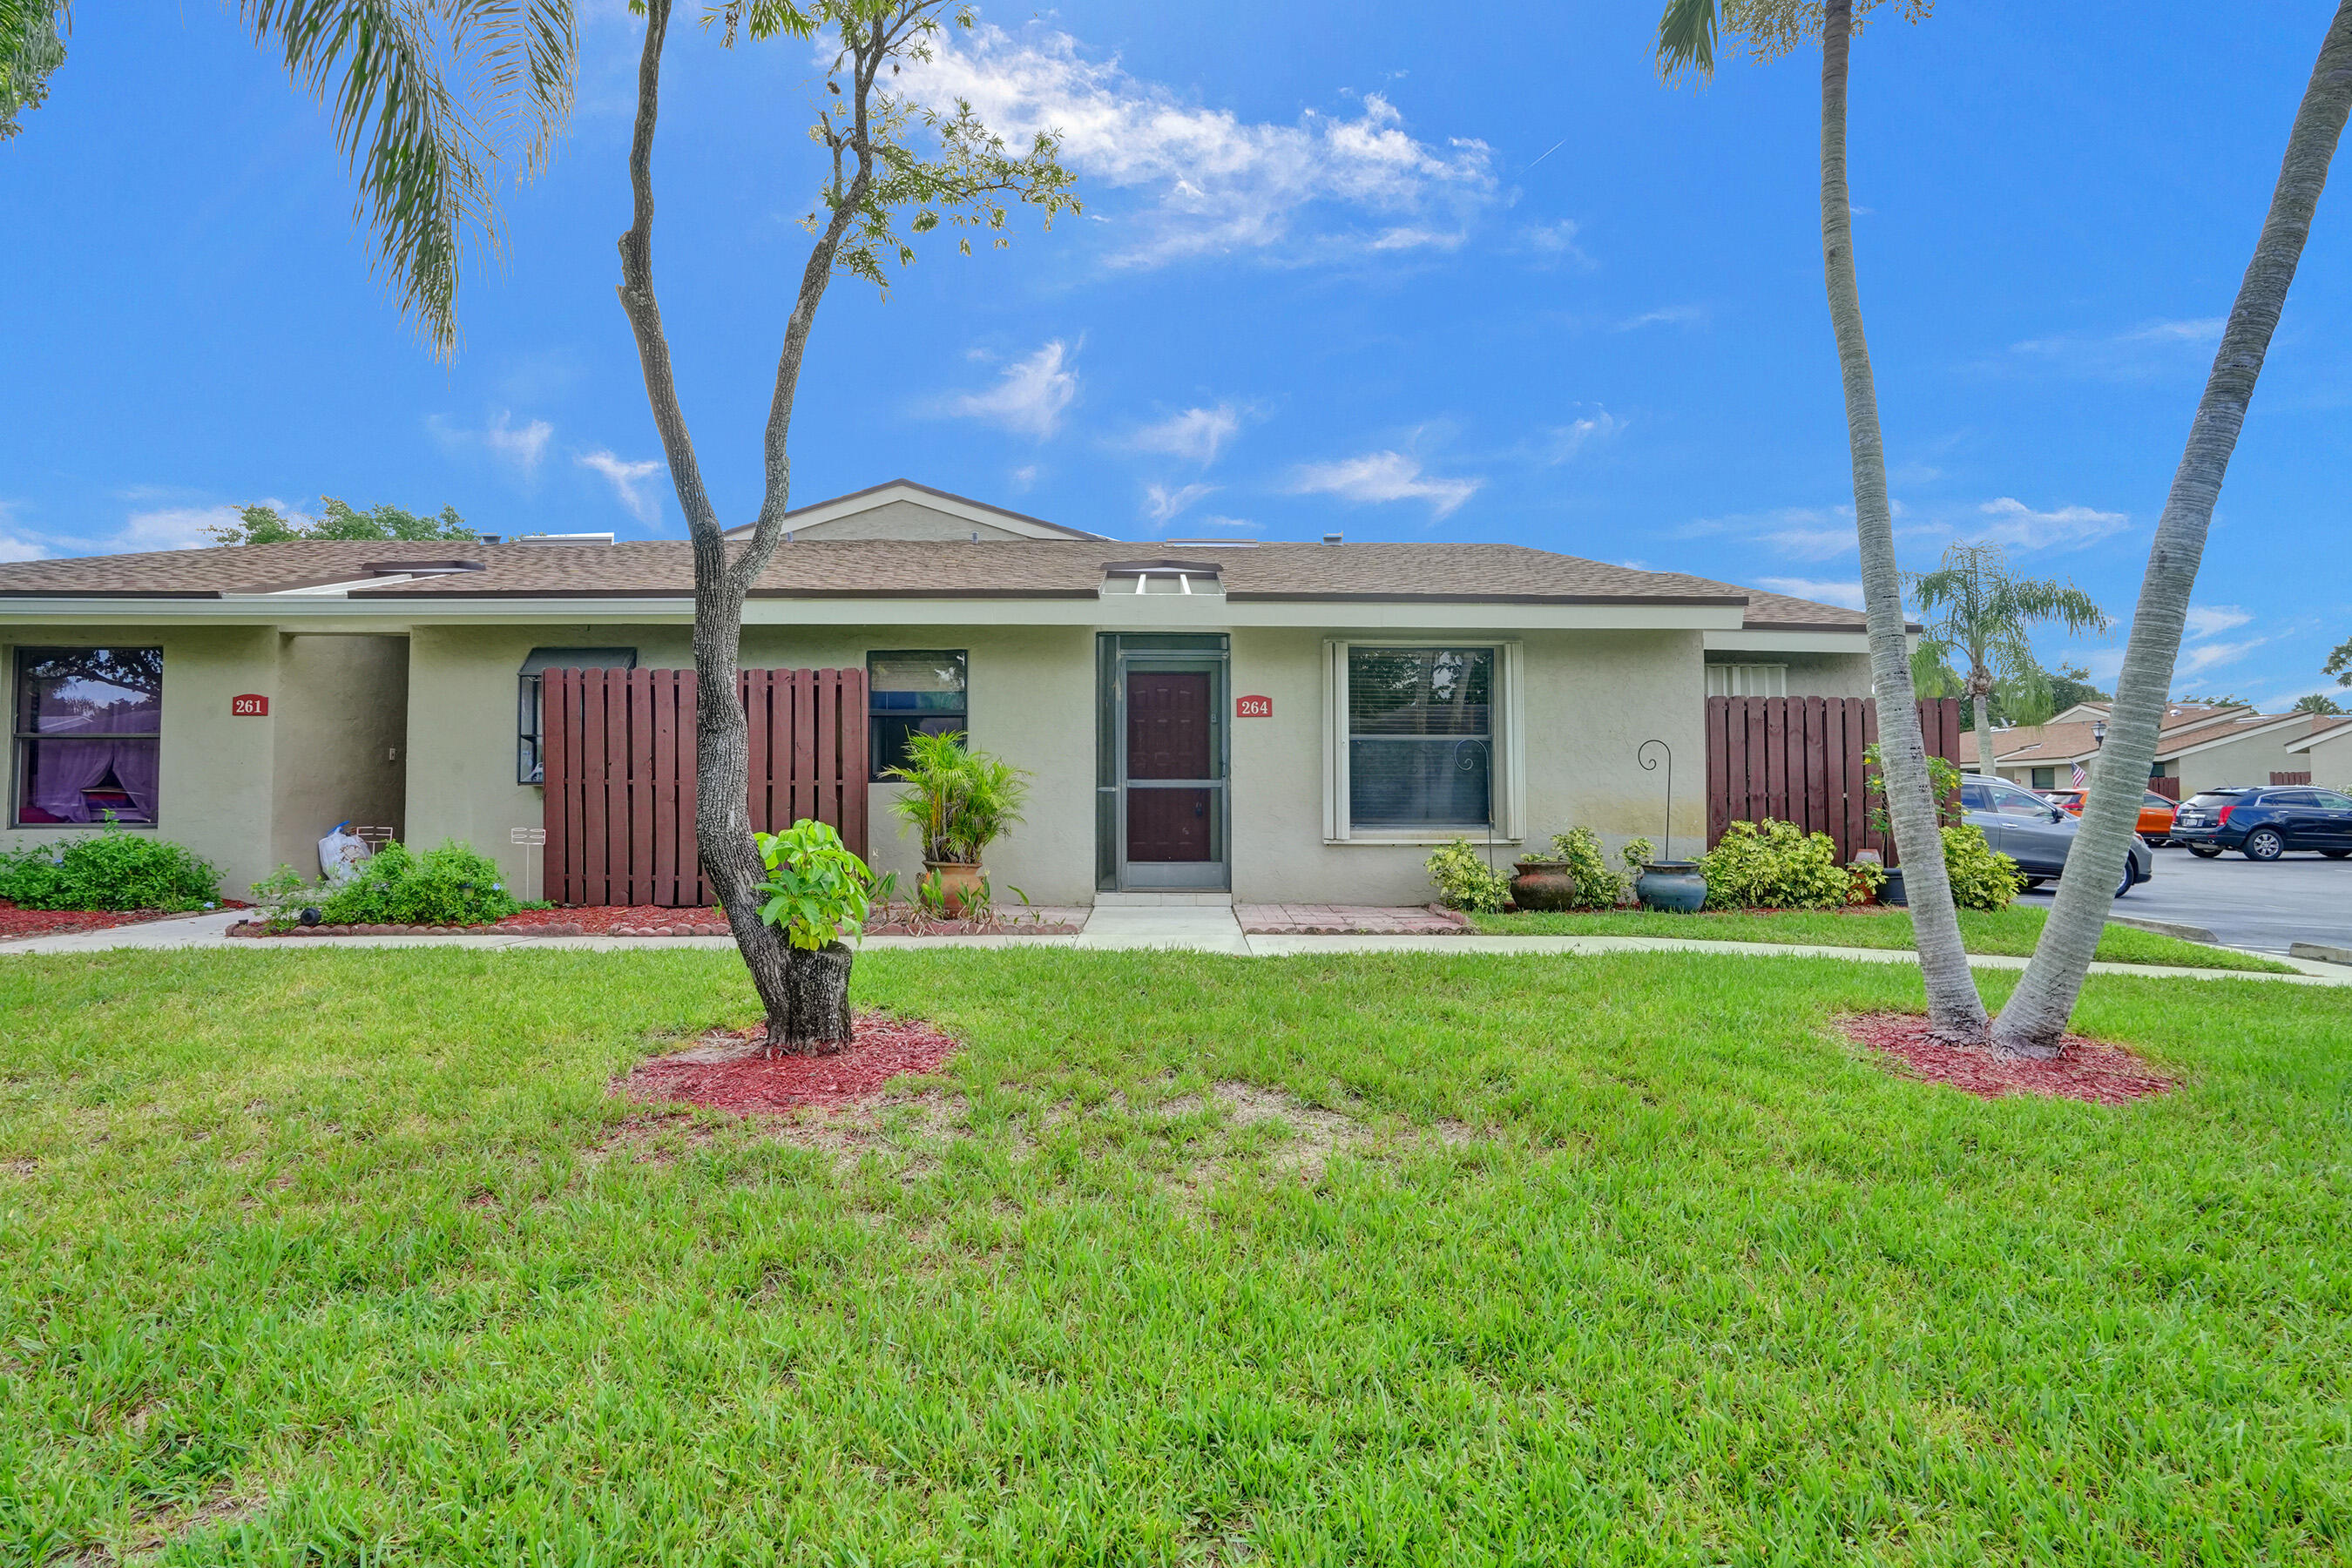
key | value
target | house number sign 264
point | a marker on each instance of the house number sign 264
(250, 705)
(1253, 707)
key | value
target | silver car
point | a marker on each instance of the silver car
(2037, 834)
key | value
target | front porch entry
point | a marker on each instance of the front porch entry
(1162, 798)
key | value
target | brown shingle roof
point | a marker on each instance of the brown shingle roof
(1496, 574)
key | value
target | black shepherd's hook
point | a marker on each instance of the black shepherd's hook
(1461, 760)
(1642, 755)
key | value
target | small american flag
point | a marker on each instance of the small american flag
(2081, 778)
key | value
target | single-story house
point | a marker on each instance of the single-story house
(2202, 747)
(2325, 754)
(1272, 720)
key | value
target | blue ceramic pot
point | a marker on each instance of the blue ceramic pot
(1892, 892)
(1673, 884)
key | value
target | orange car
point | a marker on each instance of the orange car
(2154, 812)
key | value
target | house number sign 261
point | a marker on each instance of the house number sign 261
(250, 705)
(1253, 707)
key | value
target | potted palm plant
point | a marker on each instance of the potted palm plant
(961, 801)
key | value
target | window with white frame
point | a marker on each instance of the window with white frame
(1419, 743)
(1747, 680)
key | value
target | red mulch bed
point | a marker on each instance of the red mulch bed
(724, 1070)
(2086, 1069)
(16, 923)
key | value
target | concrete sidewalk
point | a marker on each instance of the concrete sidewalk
(1197, 929)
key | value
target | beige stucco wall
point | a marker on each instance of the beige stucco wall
(1031, 694)
(2330, 759)
(340, 721)
(1591, 698)
(214, 785)
(2248, 761)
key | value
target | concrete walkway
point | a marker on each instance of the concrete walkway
(1192, 929)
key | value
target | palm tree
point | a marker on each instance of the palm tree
(425, 146)
(2034, 1021)
(1976, 610)
(1687, 42)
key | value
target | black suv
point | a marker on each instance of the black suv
(2264, 824)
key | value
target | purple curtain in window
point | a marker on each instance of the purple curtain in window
(63, 769)
(136, 763)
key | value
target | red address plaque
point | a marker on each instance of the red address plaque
(248, 705)
(1253, 707)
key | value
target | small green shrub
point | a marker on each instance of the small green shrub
(1596, 886)
(112, 870)
(1982, 878)
(1464, 880)
(451, 886)
(1777, 866)
(817, 889)
(1639, 855)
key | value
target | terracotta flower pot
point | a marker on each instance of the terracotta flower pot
(1543, 885)
(957, 880)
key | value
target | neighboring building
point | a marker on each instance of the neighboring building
(245, 699)
(2325, 755)
(2201, 747)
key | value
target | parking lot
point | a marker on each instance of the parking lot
(2244, 903)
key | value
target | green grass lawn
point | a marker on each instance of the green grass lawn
(2012, 931)
(348, 1257)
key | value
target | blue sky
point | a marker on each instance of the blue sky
(1341, 270)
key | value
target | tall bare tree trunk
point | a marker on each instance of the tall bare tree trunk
(1954, 1010)
(2035, 1019)
(722, 817)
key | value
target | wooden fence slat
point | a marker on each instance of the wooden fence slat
(695, 889)
(853, 757)
(755, 690)
(828, 736)
(556, 710)
(804, 752)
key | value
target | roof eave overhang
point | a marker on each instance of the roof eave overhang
(393, 608)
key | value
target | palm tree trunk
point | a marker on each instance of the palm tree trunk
(2035, 1019)
(1954, 1010)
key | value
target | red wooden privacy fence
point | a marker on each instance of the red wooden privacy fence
(2169, 787)
(1799, 759)
(620, 774)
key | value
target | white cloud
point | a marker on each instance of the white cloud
(1812, 543)
(178, 527)
(1215, 184)
(1565, 441)
(2212, 620)
(1025, 475)
(2022, 528)
(523, 447)
(1553, 245)
(1383, 477)
(1161, 503)
(1031, 396)
(2208, 656)
(14, 545)
(628, 481)
(1846, 594)
(2150, 349)
(1667, 316)
(1196, 434)
(1211, 519)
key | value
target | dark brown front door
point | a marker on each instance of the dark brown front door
(1168, 737)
